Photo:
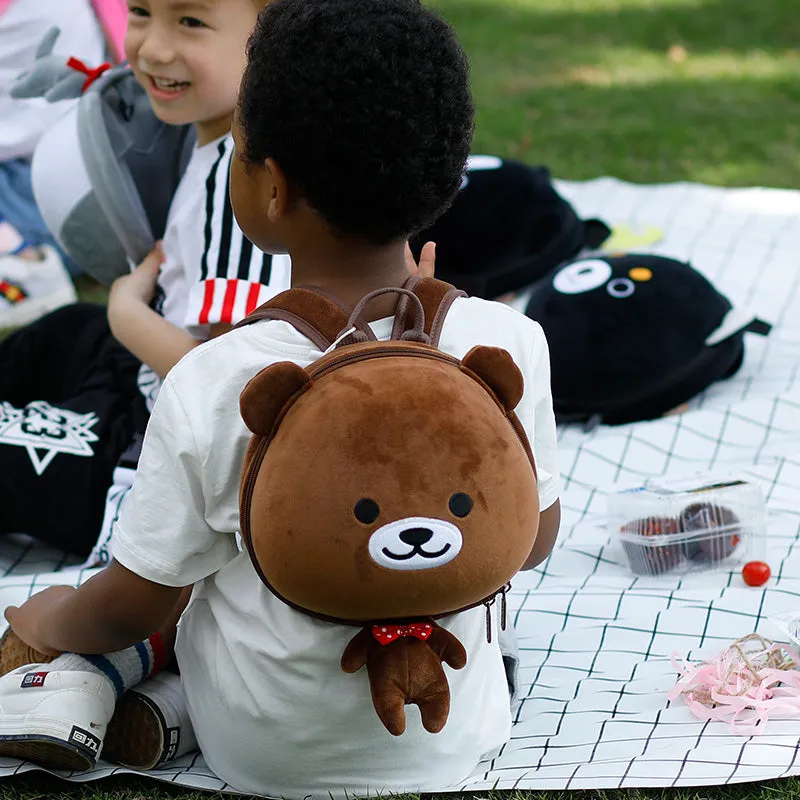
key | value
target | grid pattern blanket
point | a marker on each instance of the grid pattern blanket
(596, 640)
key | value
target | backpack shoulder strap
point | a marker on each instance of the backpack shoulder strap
(318, 317)
(436, 298)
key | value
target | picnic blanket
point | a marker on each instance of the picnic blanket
(596, 640)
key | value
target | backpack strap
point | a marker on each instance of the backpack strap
(436, 298)
(320, 318)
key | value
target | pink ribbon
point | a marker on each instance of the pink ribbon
(727, 691)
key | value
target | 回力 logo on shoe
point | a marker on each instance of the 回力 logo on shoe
(33, 680)
(174, 741)
(45, 431)
(85, 740)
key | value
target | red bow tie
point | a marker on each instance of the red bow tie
(386, 634)
(91, 74)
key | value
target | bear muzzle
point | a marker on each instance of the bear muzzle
(415, 543)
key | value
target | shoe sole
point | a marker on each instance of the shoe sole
(34, 307)
(64, 728)
(46, 751)
(135, 736)
(14, 653)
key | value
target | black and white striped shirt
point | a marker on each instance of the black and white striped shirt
(213, 274)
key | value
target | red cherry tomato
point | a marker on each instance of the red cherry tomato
(756, 573)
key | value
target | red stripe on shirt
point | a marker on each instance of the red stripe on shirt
(228, 301)
(208, 299)
(252, 298)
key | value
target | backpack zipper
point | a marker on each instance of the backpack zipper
(345, 358)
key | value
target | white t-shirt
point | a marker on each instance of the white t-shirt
(211, 272)
(272, 709)
(22, 27)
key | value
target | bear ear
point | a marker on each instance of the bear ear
(266, 395)
(495, 367)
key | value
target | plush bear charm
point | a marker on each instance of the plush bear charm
(404, 665)
(388, 485)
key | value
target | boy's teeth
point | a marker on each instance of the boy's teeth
(168, 85)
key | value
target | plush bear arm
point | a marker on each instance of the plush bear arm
(355, 654)
(448, 648)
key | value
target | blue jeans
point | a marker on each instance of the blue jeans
(18, 208)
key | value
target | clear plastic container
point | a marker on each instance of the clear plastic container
(678, 526)
(788, 624)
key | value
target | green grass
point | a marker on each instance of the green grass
(646, 90)
(593, 87)
(131, 788)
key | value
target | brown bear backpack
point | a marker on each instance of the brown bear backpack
(388, 485)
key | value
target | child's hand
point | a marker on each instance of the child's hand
(30, 620)
(427, 261)
(141, 283)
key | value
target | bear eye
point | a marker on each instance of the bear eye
(460, 504)
(366, 510)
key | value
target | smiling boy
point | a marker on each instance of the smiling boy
(189, 57)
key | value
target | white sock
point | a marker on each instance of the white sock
(124, 669)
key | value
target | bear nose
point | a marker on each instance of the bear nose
(416, 536)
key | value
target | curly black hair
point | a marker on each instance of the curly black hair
(366, 106)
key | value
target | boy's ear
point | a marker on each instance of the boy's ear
(267, 394)
(279, 197)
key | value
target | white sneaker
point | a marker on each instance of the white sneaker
(55, 719)
(151, 725)
(30, 289)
